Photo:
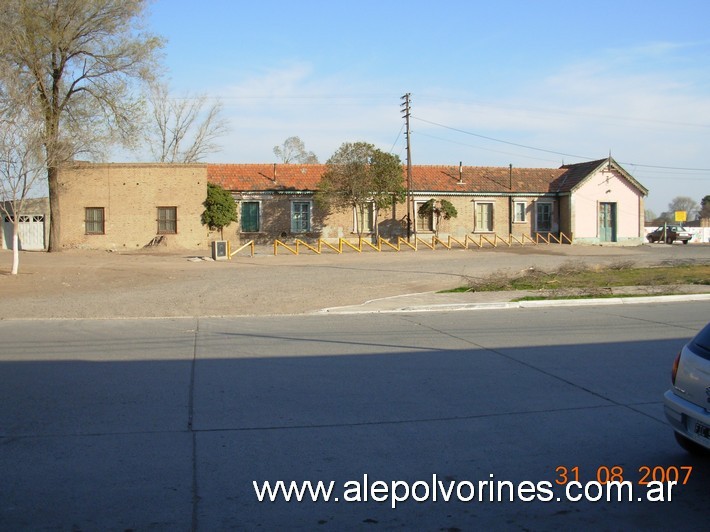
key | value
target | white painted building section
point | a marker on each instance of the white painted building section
(30, 232)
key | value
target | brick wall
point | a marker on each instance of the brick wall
(130, 195)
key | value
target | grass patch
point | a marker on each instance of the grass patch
(590, 296)
(585, 278)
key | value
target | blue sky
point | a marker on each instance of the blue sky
(489, 81)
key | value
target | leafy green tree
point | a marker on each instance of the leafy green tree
(80, 61)
(220, 208)
(359, 174)
(438, 209)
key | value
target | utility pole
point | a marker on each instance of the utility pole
(410, 207)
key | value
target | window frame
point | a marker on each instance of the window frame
(423, 224)
(523, 218)
(258, 216)
(307, 223)
(370, 218)
(167, 225)
(538, 208)
(93, 221)
(477, 225)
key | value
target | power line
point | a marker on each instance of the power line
(557, 152)
(503, 141)
(548, 111)
(397, 139)
(481, 148)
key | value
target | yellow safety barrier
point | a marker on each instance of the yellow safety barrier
(376, 247)
(249, 244)
(494, 244)
(402, 240)
(278, 243)
(436, 239)
(342, 241)
(480, 242)
(427, 244)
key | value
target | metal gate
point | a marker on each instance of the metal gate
(30, 232)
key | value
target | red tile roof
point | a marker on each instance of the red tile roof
(483, 179)
(254, 177)
(442, 179)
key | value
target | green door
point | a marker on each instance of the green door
(607, 222)
(250, 217)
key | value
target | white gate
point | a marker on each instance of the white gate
(30, 232)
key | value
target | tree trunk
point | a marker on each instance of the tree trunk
(55, 241)
(15, 247)
(359, 214)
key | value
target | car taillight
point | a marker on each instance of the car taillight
(675, 368)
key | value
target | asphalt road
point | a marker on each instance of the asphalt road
(164, 424)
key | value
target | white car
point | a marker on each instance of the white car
(687, 403)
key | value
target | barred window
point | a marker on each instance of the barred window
(167, 220)
(94, 220)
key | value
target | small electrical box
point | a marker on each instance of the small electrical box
(220, 250)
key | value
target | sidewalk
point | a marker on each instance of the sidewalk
(432, 301)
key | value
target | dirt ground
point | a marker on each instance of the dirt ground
(99, 284)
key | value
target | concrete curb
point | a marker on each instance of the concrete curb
(384, 305)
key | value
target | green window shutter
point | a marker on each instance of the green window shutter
(250, 217)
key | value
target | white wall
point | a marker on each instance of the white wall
(700, 234)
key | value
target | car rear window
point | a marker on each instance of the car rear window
(700, 345)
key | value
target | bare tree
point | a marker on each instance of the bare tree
(183, 130)
(684, 203)
(293, 150)
(21, 167)
(80, 61)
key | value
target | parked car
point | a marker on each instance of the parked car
(671, 232)
(687, 402)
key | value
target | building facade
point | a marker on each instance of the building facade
(592, 203)
(130, 206)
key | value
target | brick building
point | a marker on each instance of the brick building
(128, 206)
(594, 202)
